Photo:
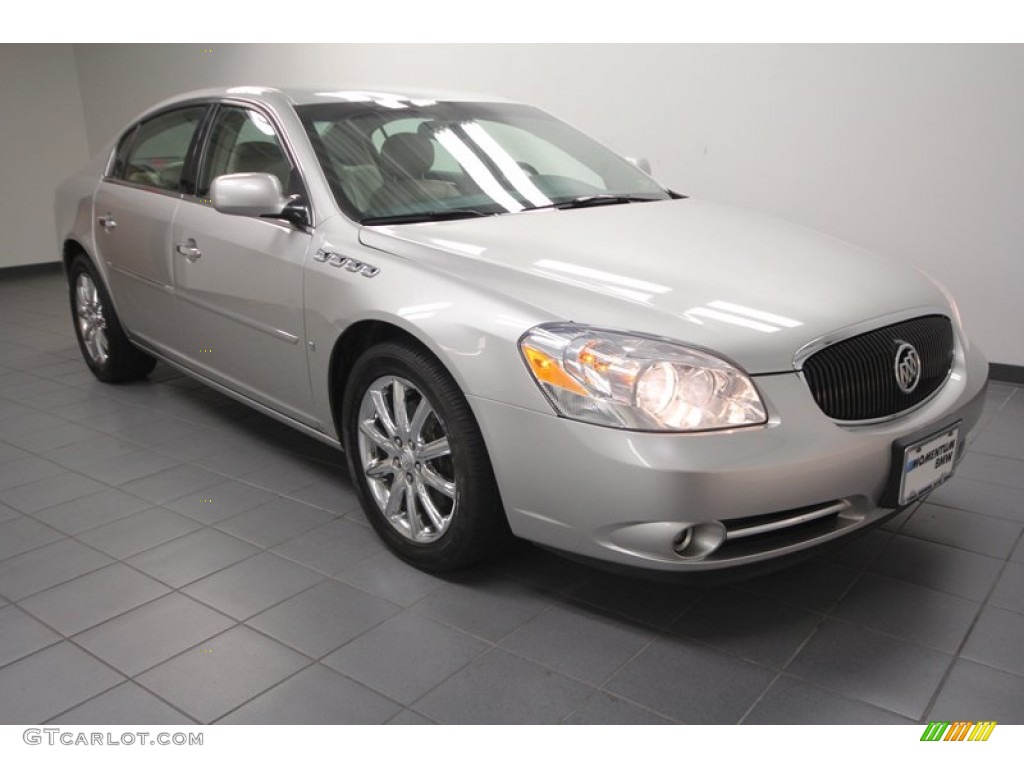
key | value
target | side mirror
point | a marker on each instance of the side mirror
(642, 163)
(248, 194)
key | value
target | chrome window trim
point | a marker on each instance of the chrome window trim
(143, 187)
(146, 118)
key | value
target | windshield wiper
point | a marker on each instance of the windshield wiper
(587, 201)
(411, 218)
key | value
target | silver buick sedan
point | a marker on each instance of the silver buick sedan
(512, 331)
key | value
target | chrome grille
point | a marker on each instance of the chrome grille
(855, 379)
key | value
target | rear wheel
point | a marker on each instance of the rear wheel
(419, 462)
(106, 349)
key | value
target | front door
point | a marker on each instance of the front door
(238, 279)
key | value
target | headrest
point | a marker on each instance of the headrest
(407, 155)
(346, 147)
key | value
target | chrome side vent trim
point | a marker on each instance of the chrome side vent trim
(785, 520)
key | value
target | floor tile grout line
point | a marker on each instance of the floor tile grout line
(659, 631)
(220, 717)
(133, 678)
(108, 487)
(288, 450)
(990, 516)
(970, 631)
(61, 638)
(829, 615)
(824, 616)
(119, 487)
(70, 639)
(918, 537)
(890, 636)
(400, 607)
(48, 543)
(126, 679)
(115, 560)
(490, 649)
(603, 692)
(988, 665)
(564, 673)
(448, 624)
(179, 590)
(314, 661)
(592, 605)
(868, 568)
(118, 561)
(602, 686)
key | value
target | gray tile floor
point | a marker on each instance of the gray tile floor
(169, 556)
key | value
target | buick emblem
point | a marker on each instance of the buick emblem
(908, 368)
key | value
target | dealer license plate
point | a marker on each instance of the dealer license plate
(928, 464)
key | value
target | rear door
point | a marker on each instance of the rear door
(135, 206)
(238, 279)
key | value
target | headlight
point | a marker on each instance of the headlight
(634, 382)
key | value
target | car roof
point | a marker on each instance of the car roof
(295, 96)
(322, 95)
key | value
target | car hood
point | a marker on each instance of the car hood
(752, 288)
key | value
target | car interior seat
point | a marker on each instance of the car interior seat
(353, 161)
(405, 159)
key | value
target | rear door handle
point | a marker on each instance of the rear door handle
(107, 222)
(188, 249)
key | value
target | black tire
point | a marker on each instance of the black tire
(116, 359)
(473, 528)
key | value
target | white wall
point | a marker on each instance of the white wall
(914, 151)
(42, 142)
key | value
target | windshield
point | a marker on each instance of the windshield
(405, 160)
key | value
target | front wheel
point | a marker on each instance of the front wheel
(418, 460)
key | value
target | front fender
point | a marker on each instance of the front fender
(474, 332)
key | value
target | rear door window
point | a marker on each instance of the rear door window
(159, 148)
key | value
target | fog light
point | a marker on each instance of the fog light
(698, 541)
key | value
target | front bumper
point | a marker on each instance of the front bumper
(624, 497)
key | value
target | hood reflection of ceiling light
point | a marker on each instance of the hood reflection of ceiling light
(601, 276)
(731, 319)
(452, 245)
(756, 314)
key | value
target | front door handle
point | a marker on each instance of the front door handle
(107, 222)
(188, 249)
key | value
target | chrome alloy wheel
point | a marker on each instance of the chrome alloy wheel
(92, 322)
(405, 455)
